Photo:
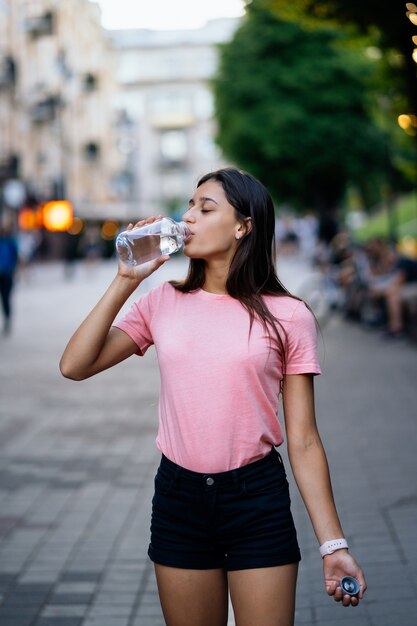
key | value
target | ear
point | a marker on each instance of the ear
(244, 228)
(248, 225)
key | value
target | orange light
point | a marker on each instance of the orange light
(29, 219)
(408, 246)
(76, 226)
(57, 215)
(109, 230)
(405, 121)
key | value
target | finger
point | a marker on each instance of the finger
(162, 259)
(154, 265)
(338, 594)
(346, 600)
(331, 588)
(148, 220)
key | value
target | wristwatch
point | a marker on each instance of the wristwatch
(328, 547)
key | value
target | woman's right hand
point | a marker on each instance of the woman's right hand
(140, 272)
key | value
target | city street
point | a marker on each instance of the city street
(77, 462)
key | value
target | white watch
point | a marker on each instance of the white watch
(328, 547)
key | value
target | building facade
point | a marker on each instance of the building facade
(120, 123)
(167, 104)
(58, 125)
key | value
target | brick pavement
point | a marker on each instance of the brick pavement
(77, 461)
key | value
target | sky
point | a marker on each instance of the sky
(165, 14)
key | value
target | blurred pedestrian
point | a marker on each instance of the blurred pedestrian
(92, 244)
(393, 280)
(229, 338)
(8, 263)
(28, 244)
(328, 226)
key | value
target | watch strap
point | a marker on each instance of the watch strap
(328, 547)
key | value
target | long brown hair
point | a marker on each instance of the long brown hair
(252, 270)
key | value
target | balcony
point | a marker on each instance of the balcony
(7, 73)
(41, 25)
(172, 120)
(45, 110)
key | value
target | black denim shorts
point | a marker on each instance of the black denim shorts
(240, 519)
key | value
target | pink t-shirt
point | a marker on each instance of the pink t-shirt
(219, 387)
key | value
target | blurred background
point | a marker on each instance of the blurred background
(110, 113)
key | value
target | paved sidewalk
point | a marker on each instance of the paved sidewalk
(77, 463)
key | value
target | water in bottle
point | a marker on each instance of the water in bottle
(148, 242)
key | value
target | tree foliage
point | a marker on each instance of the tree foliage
(387, 18)
(290, 108)
(382, 30)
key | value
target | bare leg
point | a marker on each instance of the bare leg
(197, 597)
(264, 596)
(392, 296)
(394, 306)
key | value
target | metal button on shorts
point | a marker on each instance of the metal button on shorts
(209, 481)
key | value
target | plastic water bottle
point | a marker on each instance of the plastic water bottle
(148, 242)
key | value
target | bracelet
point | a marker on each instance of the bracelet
(328, 547)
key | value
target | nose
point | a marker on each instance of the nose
(187, 216)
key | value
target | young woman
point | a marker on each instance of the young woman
(229, 338)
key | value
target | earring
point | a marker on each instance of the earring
(237, 237)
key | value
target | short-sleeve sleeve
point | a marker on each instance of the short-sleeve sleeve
(137, 321)
(302, 354)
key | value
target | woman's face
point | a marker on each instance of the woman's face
(212, 221)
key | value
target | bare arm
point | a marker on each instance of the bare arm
(307, 456)
(95, 346)
(311, 472)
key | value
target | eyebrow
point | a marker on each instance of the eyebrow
(202, 199)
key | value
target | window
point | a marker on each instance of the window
(175, 184)
(206, 148)
(174, 145)
(90, 83)
(91, 151)
(204, 104)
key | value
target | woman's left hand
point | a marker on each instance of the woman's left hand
(335, 567)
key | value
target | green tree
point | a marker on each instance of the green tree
(383, 31)
(291, 109)
(386, 20)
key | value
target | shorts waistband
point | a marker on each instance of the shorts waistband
(230, 477)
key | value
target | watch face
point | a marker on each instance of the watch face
(350, 585)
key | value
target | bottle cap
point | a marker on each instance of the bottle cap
(350, 585)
